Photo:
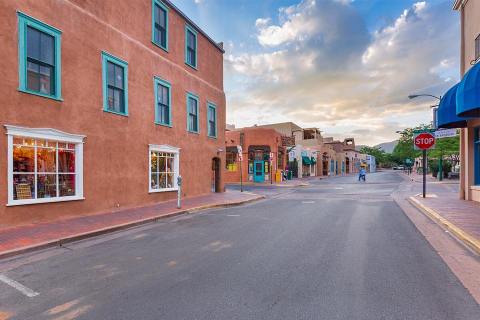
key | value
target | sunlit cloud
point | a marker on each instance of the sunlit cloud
(319, 66)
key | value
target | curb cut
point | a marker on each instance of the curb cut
(97, 232)
(461, 235)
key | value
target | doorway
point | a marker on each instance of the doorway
(347, 165)
(216, 175)
(258, 171)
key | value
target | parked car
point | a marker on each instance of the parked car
(399, 168)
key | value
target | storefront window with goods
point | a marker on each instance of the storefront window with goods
(164, 164)
(44, 170)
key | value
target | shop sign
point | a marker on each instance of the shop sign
(445, 133)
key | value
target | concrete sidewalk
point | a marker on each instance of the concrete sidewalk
(21, 239)
(442, 204)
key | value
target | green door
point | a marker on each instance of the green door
(258, 171)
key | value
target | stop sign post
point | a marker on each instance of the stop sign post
(424, 140)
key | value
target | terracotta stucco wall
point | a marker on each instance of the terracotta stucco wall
(116, 147)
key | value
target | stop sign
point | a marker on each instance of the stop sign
(424, 141)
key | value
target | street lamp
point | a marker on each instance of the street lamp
(413, 96)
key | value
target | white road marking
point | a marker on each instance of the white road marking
(339, 188)
(308, 201)
(20, 287)
(233, 215)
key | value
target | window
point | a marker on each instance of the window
(39, 58)
(163, 111)
(44, 165)
(190, 47)
(115, 84)
(164, 168)
(192, 113)
(231, 159)
(477, 48)
(160, 24)
(212, 120)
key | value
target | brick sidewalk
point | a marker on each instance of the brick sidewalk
(20, 239)
(443, 205)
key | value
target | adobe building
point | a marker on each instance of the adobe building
(263, 153)
(104, 106)
(460, 105)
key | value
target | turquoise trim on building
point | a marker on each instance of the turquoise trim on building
(158, 81)
(25, 21)
(194, 96)
(188, 28)
(106, 57)
(164, 7)
(214, 107)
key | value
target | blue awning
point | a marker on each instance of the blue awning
(306, 160)
(447, 111)
(468, 94)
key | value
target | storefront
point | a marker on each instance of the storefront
(259, 163)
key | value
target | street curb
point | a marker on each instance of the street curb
(93, 233)
(304, 184)
(463, 236)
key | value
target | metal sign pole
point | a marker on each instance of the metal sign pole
(241, 174)
(424, 173)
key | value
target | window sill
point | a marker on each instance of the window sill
(41, 94)
(115, 112)
(161, 47)
(162, 190)
(43, 200)
(212, 137)
(191, 66)
(163, 124)
(194, 132)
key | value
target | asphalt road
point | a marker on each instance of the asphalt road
(337, 249)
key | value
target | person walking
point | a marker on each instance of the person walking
(362, 175)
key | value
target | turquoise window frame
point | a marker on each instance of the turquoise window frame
(107, 57)
(188, 28)
(214, 107)
(476, 155)
(25, 21)
(164, 7)
(194, 96)
(159, 81)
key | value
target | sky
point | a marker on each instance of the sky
(343, 66)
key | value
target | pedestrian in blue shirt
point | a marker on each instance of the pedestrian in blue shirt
(362, 175)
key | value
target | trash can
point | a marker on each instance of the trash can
(290, 175)
(278, 176)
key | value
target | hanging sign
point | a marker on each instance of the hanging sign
(445, 133)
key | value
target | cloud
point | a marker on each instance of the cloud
(320, 66)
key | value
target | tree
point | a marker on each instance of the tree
(378, 153)
(405, 148)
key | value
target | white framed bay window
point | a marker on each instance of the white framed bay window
(164, 168)
(44, 165)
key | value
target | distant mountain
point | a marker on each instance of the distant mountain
(388, 146)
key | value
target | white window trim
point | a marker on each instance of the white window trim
(48, 134)
(176, 164)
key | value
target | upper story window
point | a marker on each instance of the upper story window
(115, 84)
(192, 113)
(44, 165)
(212, 120)
(477, 48)
(160, 24)
(190, 47)
(163, 110)
(39, 57)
